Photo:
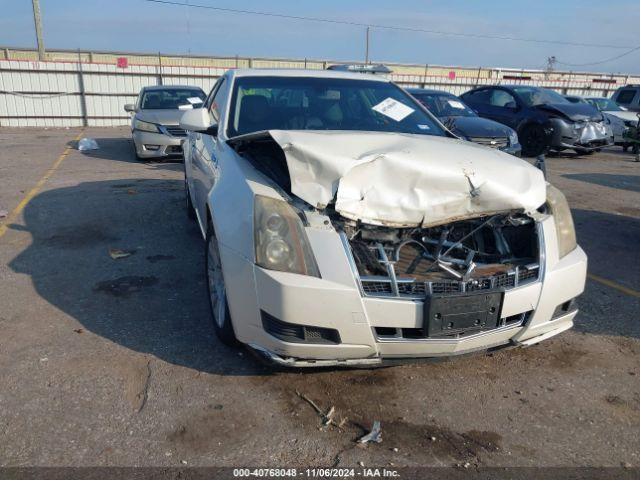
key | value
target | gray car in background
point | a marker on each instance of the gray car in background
(156, 115)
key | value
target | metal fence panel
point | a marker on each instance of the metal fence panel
(63, 92)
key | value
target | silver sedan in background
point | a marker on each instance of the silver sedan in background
(156, 114)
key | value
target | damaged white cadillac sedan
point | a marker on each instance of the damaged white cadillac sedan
(345, 226)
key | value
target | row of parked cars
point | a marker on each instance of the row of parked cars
(543, 119)
(515, 119)
(344, 224)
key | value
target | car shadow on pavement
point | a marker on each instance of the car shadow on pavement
(121, 149)
(153, 299)
(610, 242)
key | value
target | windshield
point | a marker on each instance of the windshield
(301, 103)
(442, 105)
(604, 104)
(533, 96)
(170, 98)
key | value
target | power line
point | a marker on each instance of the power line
(601, 61)
(387, 27)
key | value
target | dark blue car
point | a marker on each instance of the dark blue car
(544, 119)
(466, 123)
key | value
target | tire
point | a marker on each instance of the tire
(533, 140)
(216, 291)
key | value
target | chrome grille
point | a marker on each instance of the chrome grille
(175, 131)
(381, 287)
(493, 142)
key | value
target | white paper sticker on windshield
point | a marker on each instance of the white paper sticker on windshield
(456, 104)
(194, 100)
(393, 109)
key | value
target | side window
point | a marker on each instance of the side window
(479, 96)
(214, 107)
(500, 98)
(207, 102)
(625, 96)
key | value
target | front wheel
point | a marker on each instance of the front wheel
(534, 140)
(217, 292)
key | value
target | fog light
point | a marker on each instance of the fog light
(152, 147)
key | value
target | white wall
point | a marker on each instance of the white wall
(49, 94)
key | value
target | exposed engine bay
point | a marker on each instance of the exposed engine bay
(485, 253)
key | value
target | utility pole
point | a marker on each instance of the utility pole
(366, 54)
(37, 19)
(551, 64)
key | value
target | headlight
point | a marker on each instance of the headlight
(565, 230)
(145, 126)
(630, 123)
(280, 240)
(513, 138)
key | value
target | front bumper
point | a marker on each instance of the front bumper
(590, 136)
(335, 302)
(156, 145)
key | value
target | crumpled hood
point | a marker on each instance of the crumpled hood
(406, 180)
(161, 117)
(577, 112)
(476, 127)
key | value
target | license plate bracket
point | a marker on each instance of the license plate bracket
(446, 315)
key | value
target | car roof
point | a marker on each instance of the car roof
(429, 91)
(171, 87)
(279, 72)
(506, 87)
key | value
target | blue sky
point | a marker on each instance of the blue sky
(135, 25)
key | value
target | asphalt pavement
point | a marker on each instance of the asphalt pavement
(113, 362)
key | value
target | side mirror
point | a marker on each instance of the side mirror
(129, 107)
(511, 105)
(197, 120)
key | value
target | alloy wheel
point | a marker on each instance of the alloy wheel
(215, 280)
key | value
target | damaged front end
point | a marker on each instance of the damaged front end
(421, 251)
(485, 255)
